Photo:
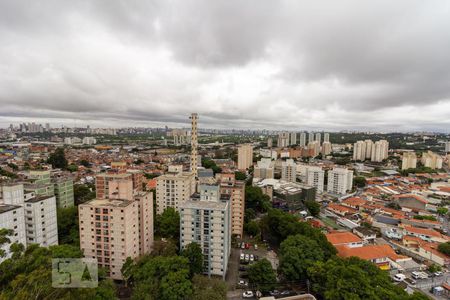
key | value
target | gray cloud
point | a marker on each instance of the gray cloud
(267, 64)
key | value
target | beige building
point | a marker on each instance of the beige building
(264, 169)
(236, 189)
(173, 188)
(118, 227)
(289, 170)
(431, 160)
(340, 180)
(359, 151)
(315, 177)
(380, 151)
(409, 160)
(326, 148)
(245, 156)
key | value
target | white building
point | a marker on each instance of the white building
(206, 220)
(318, 138)
(89, 140)
(302, 139)
(326, 137)
(173, 188)
(310, 137)
(12, 217)
(369, 145)
(289, 170)
(409, 160)
(447, 146)
(340, 180)
(431, 160)
(12, 194)
(315, 177)
(41, 225)
(268, 153)
(293, 136)
(380, 151)
(283, 139)
(264, 169)
(326, 148)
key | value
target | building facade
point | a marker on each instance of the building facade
(340, 180)
(245, 156)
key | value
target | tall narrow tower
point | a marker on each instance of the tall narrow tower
(194, 144)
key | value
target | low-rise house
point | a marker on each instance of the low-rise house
(366, 234)
(340, 209)
(427, 235)
(344, 238)
(354, 202)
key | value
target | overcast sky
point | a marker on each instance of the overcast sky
(333, 65)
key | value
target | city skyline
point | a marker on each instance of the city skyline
(274, 65)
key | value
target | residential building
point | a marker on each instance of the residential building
(289, 170)
(89, 140)
(409, 160)
(245, 156)
(302, 139)
(63, 191)
(236, 189)
(369, 145)
(447, 146)
(264, 169)
(41, 226)
(40, 176)
(326, 148)
(180, 137)
(431, 160)
(315, 177)
(102, 183)
(359, 151)
(194, 145)
(293, 136)
(344, 238)
(318, 138)
(310, 137)
(118, 227)
(340, 180)
(326, 137)
(380, 151)
(206, 220)
(12, 194)
(283, 139)
(173, 188)
(12, 217)
(269, 143)
(314, 148)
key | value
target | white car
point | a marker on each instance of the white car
(243, 282)
(256, 247)
(247, 257)
(242, 256)
(252, 258)
(247, 294)
(399, 277)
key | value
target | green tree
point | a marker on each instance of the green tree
(205, 288)
(58, 159)
(297, 254)
(255, 199)
(359, 181)
(85, 163)
(313, 207)
(83, 193)
(167, 224)
(262, 276)
(72, 168)
(434, 268)
(164, 248)
(444, 248)
(252, 228)
(68, 228)
(4, 239)
(240, 175)
(194, 254)
(127, 270)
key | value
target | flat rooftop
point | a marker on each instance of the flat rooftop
(203, 204)
(109, 202)
(38, 199)
(6, 207)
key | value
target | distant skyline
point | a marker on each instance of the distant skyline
(290, 64)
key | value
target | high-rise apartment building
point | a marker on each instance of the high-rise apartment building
(314, 148)
(326, 137)
(236, 189)
(326, 148)
(380, 151)
(283, 139)
(269, 142)
(102, 183)
(41, 226)
(318, 138)
(315, 177)
(409, 160)
(302, 139)
(340, 180)
(206, 220)
(64, 191)
(431, 160)
(289, 170)
(264, 169)
(245, 156)
(369, 145)
(117, 227)
(174, 188)
(359, 151)
(447, 146)
(293, 136)
(310, 137)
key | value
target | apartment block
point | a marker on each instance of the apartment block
(283, 139)
(236, 189)
(302, 139)
(315, 177)
(340, 180)
(264, 169)
(409, 160)
(380, 151)
(206, 220)
(102, 183)
(41, 226)
(431, 160)
(173, 188)
(359, 151)
(63, 189)
(245, 156)
(289, 170)
(12, 217)
(326, 148)
(12, 194)
(293, 138)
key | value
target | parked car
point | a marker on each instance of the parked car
(256, 247)
(256, 257)
(252, 258)
(247, 246)
(247, 294)
(242, 256)
(243, 283)
(399, 277)
(247, 258)
(287, 293)
(274, 293)
(438, 274)
(243, 245)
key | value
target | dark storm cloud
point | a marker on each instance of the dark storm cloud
(294, 64)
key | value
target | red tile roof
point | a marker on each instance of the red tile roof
(338, 238)
(369, 252)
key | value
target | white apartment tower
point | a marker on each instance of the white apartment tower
(315, 177)
(380, 151)
(340, 180)
(310, 137)
(264, 169)
(302, 139)
(194, 144)
(359, 151)
(41, 226)
(326, 148)
(206, 220)
(431, 160)
(447, 146)
(326, 137)
(283, 139)
(293, 136)
(318, 138)
(12, 217)
(369, 145)
(289, 170)
(409, 160)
